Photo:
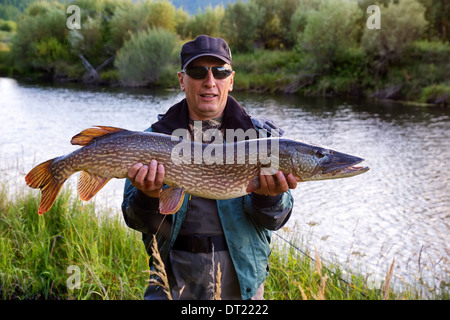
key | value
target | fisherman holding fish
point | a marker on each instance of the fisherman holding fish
(209, 199)
(205, 232)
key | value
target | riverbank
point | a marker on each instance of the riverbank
(420, 78)
(416, 81)
(312, 48)
(77, 252)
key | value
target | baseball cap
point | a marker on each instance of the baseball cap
(205, 46)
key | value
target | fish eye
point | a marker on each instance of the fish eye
(320, 153)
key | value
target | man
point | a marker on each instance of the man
(205, 232)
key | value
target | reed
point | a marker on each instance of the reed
(296, 275)
(37, 251)
(159, 277)
(74, 252)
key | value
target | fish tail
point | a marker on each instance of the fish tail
(42, 177)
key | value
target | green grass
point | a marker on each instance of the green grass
(36, 251)
(293, 275)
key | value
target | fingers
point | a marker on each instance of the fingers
(159, 178)
(272, 185)
(133, 171)
(292, 182)
(149, 179)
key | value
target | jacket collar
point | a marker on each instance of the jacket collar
(177, 117)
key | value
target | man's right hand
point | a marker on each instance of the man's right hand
(149, 179)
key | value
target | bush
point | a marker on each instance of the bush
(439, 94)
(8, 26)
(402, 23)
(238, 17)
(40, 41)
(329, 33)
(143, 58)
(207, 22)
(130, 18)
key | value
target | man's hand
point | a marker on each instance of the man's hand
(273, 185)
(148, 179)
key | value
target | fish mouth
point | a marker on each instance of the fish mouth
(343, 165)
(353, 170)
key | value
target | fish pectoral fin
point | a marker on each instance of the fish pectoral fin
(89, 185)
(170, 200)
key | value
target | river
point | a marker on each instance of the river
(398, 210)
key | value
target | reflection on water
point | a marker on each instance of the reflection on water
(399, 209)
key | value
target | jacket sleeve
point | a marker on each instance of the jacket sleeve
(270, 212)
(141, 212)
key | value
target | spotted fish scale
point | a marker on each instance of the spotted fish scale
(205, 170)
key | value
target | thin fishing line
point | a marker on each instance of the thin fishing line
(307, 255)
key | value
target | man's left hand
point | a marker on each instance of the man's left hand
(272, 185)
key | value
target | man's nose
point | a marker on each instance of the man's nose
(209, 81)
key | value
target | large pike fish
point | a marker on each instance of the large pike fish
(224, 173)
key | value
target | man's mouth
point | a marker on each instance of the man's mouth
(208, 95)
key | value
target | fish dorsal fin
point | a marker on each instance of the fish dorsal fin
(170, 200)
(86, 136)
(89, 185)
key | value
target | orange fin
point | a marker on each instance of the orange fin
(41, 177)
(86, 136)
(89, 185)
(170, 200)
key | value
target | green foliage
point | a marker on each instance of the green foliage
(437, 13)
(7, 25)
(36, 251)
(295, 275)
(264, 70)
(207, 22)
(299, 18)
(130, 18)
(9, 12)
(436, 94)
(39, 33)
(182, 19)
(335, 53)
(329, 32)
(144, 57)
(402, 23)
(241, 16)
(161, 15)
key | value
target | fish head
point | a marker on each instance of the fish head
(312, 162)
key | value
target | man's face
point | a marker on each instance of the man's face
(206, 97)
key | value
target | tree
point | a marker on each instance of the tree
(299, 18)
(143, 59)
(240, 25)
(207, 22)
(402, 23)
(437, 13)
(128, 18)
(182, 18)
(329, 33)
(40, 40)
(161, 15)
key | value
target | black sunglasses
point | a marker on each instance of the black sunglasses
(200, 73)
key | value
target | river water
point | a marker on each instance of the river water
(398, 210)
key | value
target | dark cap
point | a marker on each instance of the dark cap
(205, 46)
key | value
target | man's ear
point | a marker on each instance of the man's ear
(181, 79)
(231, 82)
